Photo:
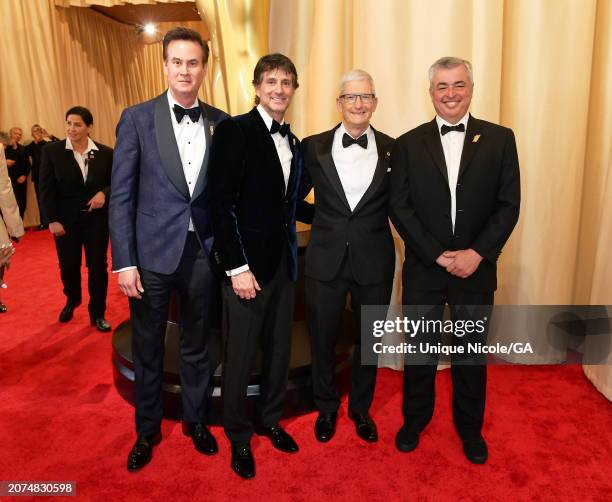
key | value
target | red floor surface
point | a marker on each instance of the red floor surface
(549, 431)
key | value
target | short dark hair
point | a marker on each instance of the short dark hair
(271, 62)
(182, 33)
(82, 112)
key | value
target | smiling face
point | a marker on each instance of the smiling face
(185, 70)
(451, 93)
(356, 115)
(275, 92)
(76, 130)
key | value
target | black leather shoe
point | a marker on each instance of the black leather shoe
(406, 440)
(141, 452)
(202, 439)
(101, 324)
(364, 426)
(3, 308)
(67, 311)
(476, 450)
(243, 462)
(325, 426)
(280, 439)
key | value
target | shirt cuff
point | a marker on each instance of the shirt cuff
(236, 271)
(124, 269)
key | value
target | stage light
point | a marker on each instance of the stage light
(149, 29)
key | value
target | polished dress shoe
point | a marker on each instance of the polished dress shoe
(202, 439)
(243, 462)
(406, 440)
(364, 426)
(3, 308)
(141, 452)
(280, 439)
(476, 450)
(325, 426)
(67, 312)
(101, 324)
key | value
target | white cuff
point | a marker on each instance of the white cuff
(238, 270)
(124, 269)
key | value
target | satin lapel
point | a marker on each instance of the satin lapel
(324, 154)
(379, 172)
(431, 137)
(268, 148)
(293, 146)
(168, 149)
(474, 132)
(208, 127)
(71, 161)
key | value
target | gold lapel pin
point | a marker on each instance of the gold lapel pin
(212, 128)
(388, 154)
(476, 138)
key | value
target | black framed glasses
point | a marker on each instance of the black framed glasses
(352, 98)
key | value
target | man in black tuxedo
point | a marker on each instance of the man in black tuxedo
(455, 197)
(253, 189)
(75, 177)
(161, 238)
(351, 247)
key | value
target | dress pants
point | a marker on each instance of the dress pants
(264, 322)
(90, 231)
(468, 373)
(325, 304)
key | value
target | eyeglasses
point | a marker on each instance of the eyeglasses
(352, 98)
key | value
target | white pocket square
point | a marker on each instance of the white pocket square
(388, 169)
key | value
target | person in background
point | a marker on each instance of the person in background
(33, 154)
(18, 168)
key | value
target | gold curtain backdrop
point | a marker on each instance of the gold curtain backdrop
(543, 68)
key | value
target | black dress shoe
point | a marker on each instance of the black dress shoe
(101, 324)
(141, 452)
(202, 439)
(325, 426)
(243, 462)
(406, 440)
(280, 439)
(364, 426)
(67, 311)
(476, 450)
(3, 308)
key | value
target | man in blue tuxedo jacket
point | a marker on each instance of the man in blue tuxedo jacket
(161, 237)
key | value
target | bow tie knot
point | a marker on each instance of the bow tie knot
(282, 129)
(180, 112)
(446, 128)
(362, 141)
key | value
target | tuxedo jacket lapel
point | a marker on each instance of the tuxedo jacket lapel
(168, 149)
(324, 154)
(379, 173)
(470, 146)
(268, 148)
(433, 145)
(72, 164)
(208, 127)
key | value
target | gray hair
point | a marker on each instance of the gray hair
(449, 63)
(5, 139)
(356, 74)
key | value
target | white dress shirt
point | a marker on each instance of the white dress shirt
(284, 155)
(355, 165)
(82, 159)
(452, 144)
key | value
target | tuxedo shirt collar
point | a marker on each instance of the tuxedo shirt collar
(266, 117)
(369, 132)
(172, 102)
(440, 122)
(90, 145)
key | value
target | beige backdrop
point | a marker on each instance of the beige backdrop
(543, 68)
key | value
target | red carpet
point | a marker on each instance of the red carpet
(549, 431)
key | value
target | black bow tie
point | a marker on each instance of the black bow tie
(362, 141)
(180, 112)
(282, 129)
(459, 127)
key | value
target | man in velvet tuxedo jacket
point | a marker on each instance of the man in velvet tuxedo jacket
(161, 237)
(253, 189)
(351, 247)
(455, 197)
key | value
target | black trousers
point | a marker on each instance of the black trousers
(469, 374)
(264, 322)
(21, 192)
(325, 303)
(91, 233)
(196, 287)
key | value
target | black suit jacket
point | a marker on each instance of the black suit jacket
(63, 193)
(487, 195)
(251, 214)
(365, 231)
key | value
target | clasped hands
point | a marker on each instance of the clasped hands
(461, 263)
